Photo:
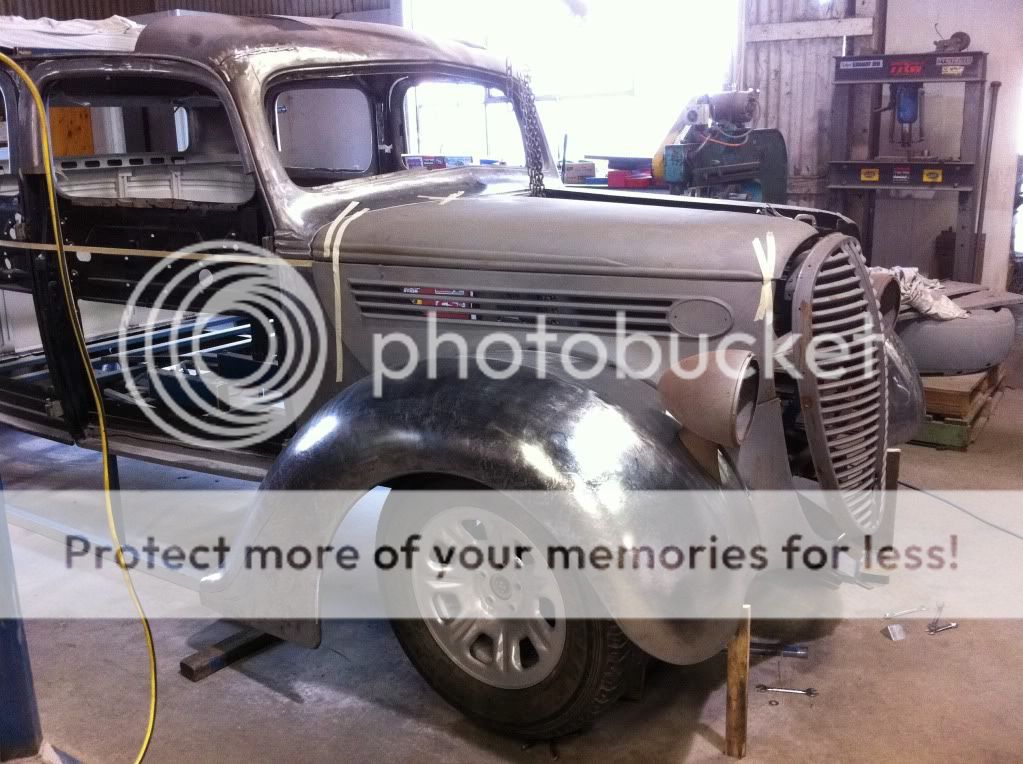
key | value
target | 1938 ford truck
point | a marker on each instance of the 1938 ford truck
(299, 137)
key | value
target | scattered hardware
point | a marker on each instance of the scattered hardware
(936, 626)
(809, 691)
(900, 613)
(895, 632)
(772, 702)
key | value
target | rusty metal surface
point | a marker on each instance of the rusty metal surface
(211, 39)
(101, 9)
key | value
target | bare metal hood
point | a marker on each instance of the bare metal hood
(523, 233)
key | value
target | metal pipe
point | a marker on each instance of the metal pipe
(988, 140)
(21, 735)
(777, 648)
(564, 156)
(759, 647)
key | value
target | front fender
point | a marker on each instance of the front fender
(594, 442)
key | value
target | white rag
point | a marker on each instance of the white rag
(922, 294)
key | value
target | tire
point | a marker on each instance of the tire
(566, 692)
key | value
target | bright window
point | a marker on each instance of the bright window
(462, 121)
(611, 75)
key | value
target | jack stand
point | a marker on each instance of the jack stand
(737, 702)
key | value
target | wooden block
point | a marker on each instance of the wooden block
(737, 701)
(212, 659)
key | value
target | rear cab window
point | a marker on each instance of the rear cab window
(324, 133)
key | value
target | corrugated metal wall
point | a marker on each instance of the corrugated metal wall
(794, 79)
(101, 9)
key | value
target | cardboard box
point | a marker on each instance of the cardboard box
(578, 172)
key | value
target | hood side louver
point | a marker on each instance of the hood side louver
(594, 312)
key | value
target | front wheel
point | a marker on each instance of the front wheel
(496, 644)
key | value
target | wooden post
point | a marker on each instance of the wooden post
(736, 710)
(886, 532)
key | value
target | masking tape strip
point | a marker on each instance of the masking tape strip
(332, 243)
(767, 260)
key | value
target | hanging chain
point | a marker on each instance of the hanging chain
(524, 104)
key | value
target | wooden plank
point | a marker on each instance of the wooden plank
(988, 299)
(885, 534)
(854, 26)
(737, 703)
(71, 131)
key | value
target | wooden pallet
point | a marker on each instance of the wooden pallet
(957, 408)
(963, 396)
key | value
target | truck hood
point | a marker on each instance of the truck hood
(521, 233)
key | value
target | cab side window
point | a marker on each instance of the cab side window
(138, 139)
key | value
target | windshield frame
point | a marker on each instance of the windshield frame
(302, 210)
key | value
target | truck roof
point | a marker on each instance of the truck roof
(212, 38)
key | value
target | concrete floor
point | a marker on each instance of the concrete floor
(953, 697)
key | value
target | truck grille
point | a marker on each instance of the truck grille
(843, 392)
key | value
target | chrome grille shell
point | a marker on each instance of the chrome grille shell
(844, 387)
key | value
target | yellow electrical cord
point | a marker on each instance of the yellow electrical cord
(97, 396)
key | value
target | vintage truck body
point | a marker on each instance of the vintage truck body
(483, 247)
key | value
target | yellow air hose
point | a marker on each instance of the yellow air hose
(97, 396)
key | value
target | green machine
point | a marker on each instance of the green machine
(711, 151)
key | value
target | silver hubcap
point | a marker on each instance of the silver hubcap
(503, 620)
